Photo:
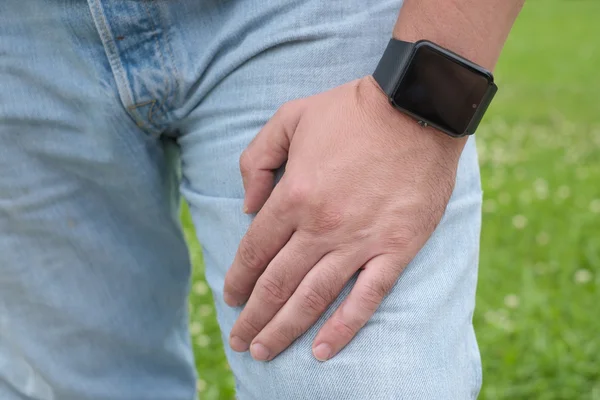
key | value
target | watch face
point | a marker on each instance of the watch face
(441, 90)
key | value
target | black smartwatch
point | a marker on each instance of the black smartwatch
(435, 86)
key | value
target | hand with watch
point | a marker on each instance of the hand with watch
(364, 187)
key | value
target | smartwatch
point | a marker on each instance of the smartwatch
(435, 86)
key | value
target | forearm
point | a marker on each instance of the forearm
(475, 29)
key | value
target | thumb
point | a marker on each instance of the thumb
(266, 153)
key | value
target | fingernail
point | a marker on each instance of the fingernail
(238, 344)
(259, 352)
(245, 209)
(322, 352)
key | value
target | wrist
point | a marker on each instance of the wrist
(377, 103)
(474, 29)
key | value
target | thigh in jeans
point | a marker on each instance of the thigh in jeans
(93, 267)
(420, 344)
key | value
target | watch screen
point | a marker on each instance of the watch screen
(441, 90)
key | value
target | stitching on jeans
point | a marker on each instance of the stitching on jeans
(169, 49)
(117, 67)
(150, 110)
(110, 47)
(162, 57)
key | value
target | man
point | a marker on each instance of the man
(102, 101)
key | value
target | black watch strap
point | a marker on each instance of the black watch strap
(392, 64)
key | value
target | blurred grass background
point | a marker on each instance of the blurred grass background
(537, 316)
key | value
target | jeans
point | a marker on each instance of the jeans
(112, 109)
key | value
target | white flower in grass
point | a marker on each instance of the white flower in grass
(499, 319)
(595, 206)
(200, 288)
(196, 328)
(542, 238)
(202, 340)
(204, 310)
(519, 221)
(200, 385)
(583, 276)
(511, 300)
(489, 206)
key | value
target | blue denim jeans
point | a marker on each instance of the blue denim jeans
(109, 110)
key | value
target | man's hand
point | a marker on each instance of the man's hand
(364, 188)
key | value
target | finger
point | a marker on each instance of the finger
(373, 283)
(267, 152)
(266, 236)
(273, 289)
(318, 290)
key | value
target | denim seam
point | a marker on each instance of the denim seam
(150, 116)
(169, 48)
(118, 70)
(164, 104)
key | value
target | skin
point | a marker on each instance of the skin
(363, 190)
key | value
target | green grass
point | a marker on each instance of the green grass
(536, 318)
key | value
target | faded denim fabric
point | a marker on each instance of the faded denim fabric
(109, 109)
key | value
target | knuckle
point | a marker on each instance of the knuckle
(372, 294)
(234, 288)
(400, 238)
(331, 277)
(245, 162)
(312, 301)
(272, 291)
(327, 219)
(343, 329)
(248, 328)
(250, 257)
(285, 333)
(299, 191)
(286, 109)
